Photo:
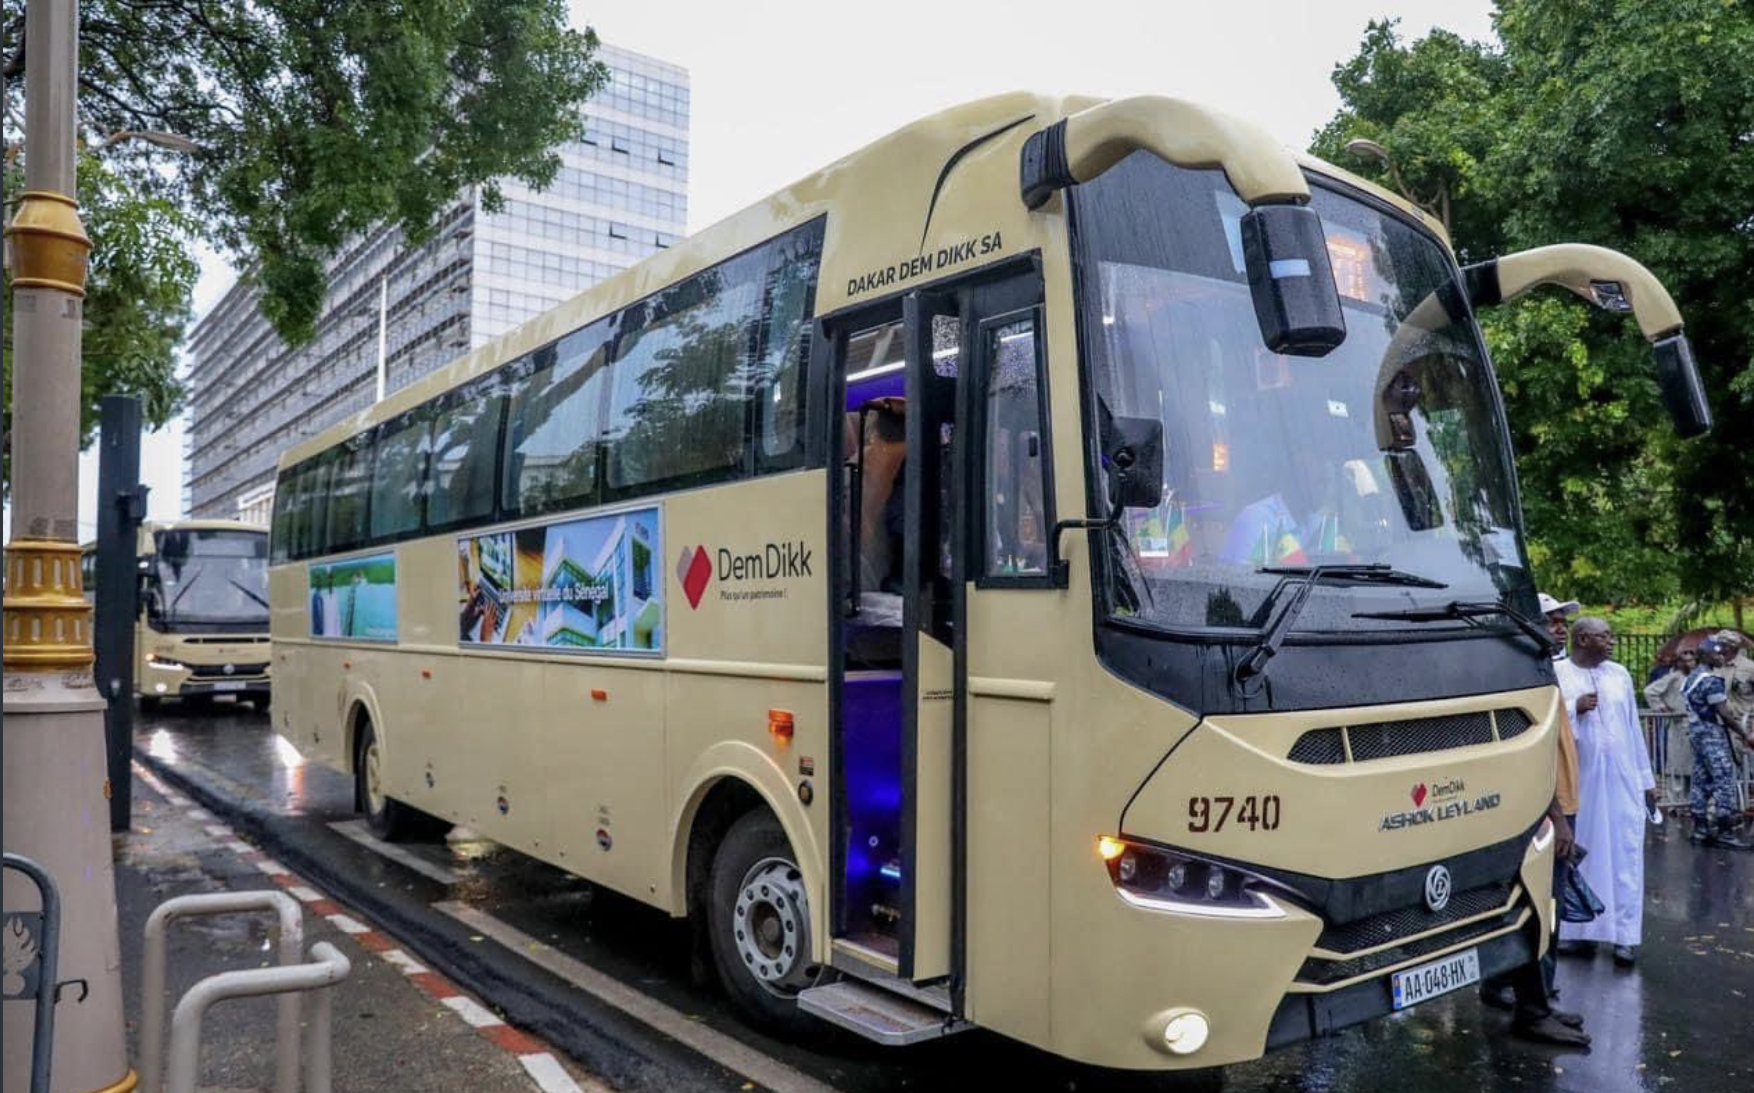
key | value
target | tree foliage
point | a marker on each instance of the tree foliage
(1628, 125)
(137, 295)
(297, 124)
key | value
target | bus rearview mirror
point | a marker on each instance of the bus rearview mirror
(1683, 393)
(1291, 280)
(1134, 457)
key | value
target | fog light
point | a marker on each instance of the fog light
(1186, 1033)
(159, 687)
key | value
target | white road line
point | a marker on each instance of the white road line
(359, 832)
(200, 815)
(237, 846)
(347, 924)
(272, 867)
(471, 1011)
(304, 894)
(725, 1050)
(218, 831)
(547, 1072)
(176, 799)
(405, 964)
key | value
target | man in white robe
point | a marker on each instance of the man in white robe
(1615, 789)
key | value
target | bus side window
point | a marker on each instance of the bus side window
(460, 474)
(1015, 487)
(399, 474)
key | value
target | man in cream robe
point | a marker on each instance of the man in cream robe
(1615, 787)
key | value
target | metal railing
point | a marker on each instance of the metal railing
(1671, 759)
(289, 979)
(33, 946)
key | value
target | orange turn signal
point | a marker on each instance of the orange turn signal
(779, 724)
(598, 694)
(1110, 848)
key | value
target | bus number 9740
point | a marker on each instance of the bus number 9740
(1212, 813)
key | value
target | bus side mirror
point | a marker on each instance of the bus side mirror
(1135, 462)
(1291, 280)
(1683, 393)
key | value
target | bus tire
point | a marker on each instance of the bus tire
(758, 923)
(389, 819)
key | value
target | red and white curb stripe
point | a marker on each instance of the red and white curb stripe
(537, 1059)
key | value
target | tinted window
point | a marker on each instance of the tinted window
(785, 348)
(400, 474)
(281, 528)
(460, 474)
(310, 512)
(350, 481)
(1016, 518)
(555, 424)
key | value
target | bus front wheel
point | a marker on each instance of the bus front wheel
(758, 920)
(389, 819)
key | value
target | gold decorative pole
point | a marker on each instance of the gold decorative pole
(53, 729)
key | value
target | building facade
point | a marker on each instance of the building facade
(621, 194)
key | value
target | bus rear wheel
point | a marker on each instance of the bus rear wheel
(758, 923)
(389, 819)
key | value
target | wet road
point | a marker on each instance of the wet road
(1678, 1022)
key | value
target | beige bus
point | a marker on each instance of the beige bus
(202, 618)
(1057, 569)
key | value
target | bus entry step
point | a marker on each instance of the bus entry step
(877, 1014)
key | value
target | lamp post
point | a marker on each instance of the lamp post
(53, 729)
(1365, 148)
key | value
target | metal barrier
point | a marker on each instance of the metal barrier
(33, 947)
(328, 968)
(291, 920)
(1671, 760)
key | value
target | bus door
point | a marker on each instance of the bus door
(975, 513)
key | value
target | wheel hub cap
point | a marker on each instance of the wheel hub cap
(771, 926)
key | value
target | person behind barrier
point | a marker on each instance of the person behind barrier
(1709, 727)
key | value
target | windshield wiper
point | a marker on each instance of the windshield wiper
(170, 612)
(1469, 611)
(1305, 578)
(246, 590)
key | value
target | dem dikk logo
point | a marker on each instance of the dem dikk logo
(694, 568)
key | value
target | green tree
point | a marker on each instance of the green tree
(137, 296)
(278, 129)
(1628, 125)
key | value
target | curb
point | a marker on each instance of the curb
(610, 1046)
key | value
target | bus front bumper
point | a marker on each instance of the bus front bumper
(164, 680)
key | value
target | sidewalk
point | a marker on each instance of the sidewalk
(398, 1025)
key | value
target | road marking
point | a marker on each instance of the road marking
(359, 832)
(238, 846)
(200, 815)
(304, 894)
(218, 831)
(271, 867)
(404, 963)
(725, 1050)
(547, 1072)
(347, 924)
(471, 1011)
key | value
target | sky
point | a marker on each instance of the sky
(781, 88)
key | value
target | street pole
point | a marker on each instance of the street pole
(121, 506)
(53, 731)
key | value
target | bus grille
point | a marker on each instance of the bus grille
(218, 671)
(1320, 971)
(1402, 922)
(1386, 739)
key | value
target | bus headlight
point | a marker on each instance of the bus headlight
(1175, 881)
(165, 664)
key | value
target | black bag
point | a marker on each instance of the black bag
(1578, 902)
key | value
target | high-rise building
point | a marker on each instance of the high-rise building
(621, 194)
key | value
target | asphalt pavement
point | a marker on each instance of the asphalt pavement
(612, 985)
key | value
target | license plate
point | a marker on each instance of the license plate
(1454, 971)
(229, 685)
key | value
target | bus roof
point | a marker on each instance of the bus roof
(939, 172)
(202, 525)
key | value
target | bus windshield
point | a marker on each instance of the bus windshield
(1389, 450)
(211, 576)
